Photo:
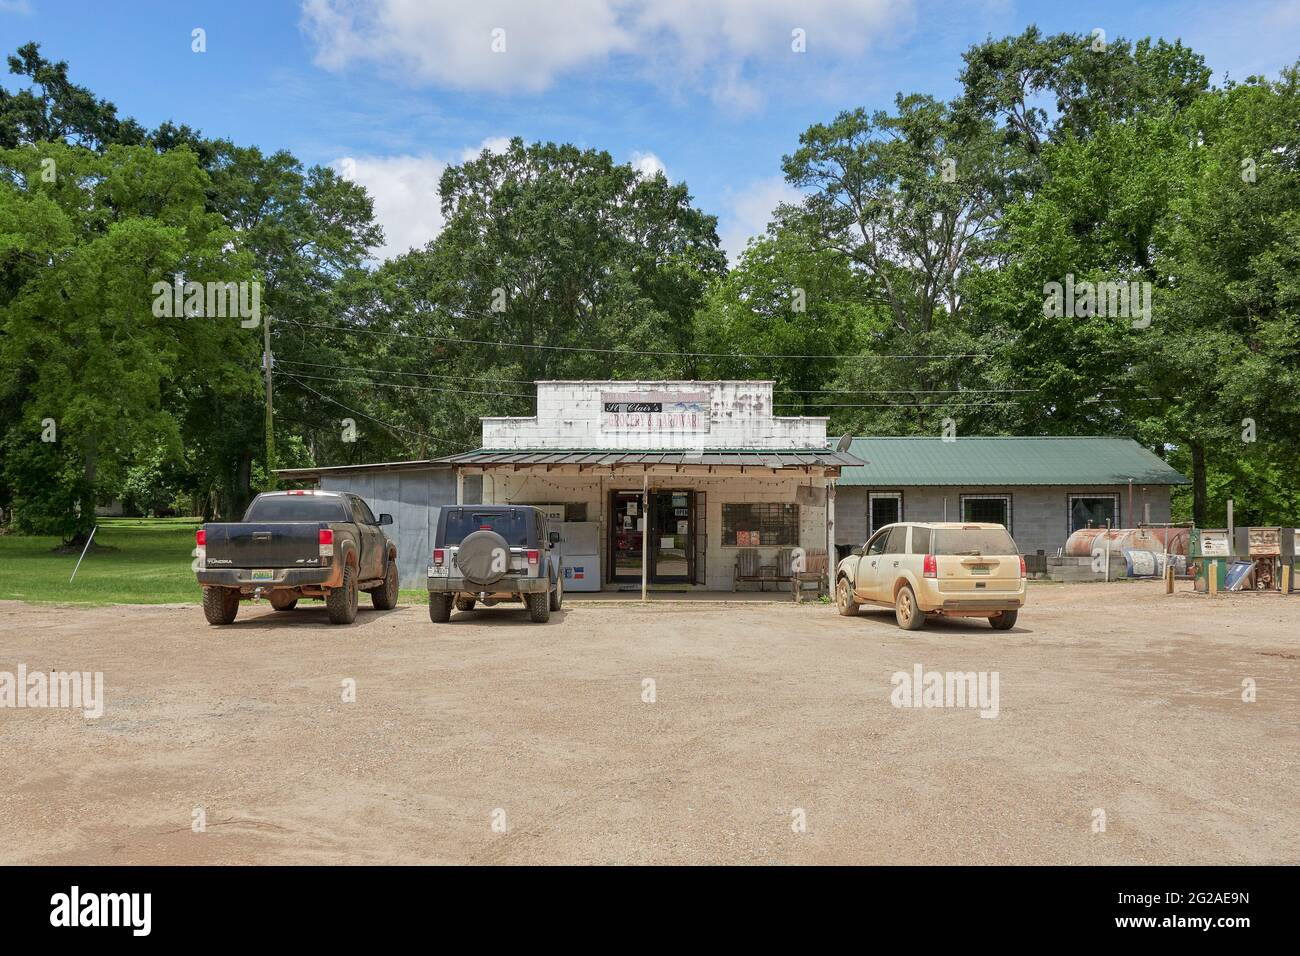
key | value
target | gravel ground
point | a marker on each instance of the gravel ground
(493, 740)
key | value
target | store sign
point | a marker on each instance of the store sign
(654, 412)
(1214, 544)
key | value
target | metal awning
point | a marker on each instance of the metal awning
(647, 458)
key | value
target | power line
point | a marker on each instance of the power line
(905, 391)
(580, 348)
(376, 420)
(421, 388)
(902, 405)
(380, 371)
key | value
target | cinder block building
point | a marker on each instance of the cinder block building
(683, 473)
(1043, 489)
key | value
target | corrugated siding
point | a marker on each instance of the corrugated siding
(413, 499)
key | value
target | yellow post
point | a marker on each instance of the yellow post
(1286, 579)
(1169, 579)
(1212, 579)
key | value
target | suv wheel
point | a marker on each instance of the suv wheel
(220, 605)
(539, 606)
(440, 608)
(342, 602)
(909, 616)
(557, 596)
(844, 598)
(385, 598)
(1004, 620)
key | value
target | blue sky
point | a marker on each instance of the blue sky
(390, 91)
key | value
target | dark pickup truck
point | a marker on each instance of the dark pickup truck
(298, 544)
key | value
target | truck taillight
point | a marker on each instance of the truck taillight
(201, 538)
(931, 568)
(326, 538)
(1022, 566)
(439, 556)
(533, 556)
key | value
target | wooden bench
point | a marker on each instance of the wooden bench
(814, 573)
(747, 568)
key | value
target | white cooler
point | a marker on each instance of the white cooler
(580, 555)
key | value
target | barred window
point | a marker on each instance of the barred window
(760, 525)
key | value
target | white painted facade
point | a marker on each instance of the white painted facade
(571, 415)
(695, 416)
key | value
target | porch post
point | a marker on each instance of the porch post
(830, 535)
(460, 486)
(645, 532)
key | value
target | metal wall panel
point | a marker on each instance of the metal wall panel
(413, 499)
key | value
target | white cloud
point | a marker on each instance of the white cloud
(750, 210)
(647, 164)
(449, 43)
(493, 144)
(405, 193)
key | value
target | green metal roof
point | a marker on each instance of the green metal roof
(896, 462)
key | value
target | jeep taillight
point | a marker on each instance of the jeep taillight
(201, 538)
(931, 567)
(533, 556)
(326, 539)
(439, 556)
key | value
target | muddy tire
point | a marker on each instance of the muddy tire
(844, 602)
(465, 603)
(283, 600)
(557, 596)
(220, 605)
(539, 606)
(440, 608)
(909, 616)
(1004, 620)
(385, 598)
(341, 603)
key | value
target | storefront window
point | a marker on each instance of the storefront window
(760, 525)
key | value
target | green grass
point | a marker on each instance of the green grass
(150, 564)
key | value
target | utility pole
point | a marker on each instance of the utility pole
(270, 418)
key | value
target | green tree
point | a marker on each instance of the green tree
(81, 251)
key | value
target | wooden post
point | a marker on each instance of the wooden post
(1212, 578)
(645, 534)
(1169, 577)
(830, 535)
(460, 487)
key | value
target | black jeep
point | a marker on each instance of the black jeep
(494, 553)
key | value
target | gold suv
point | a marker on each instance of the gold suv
(940, 568)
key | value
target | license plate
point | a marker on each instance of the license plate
(979, 569)
(264, 575)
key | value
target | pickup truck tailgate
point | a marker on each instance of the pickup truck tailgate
(269, 544)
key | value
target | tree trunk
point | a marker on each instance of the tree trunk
(1199, 503)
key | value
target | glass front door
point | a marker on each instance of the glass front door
(670, 549)
(626, 528)
(671, 543)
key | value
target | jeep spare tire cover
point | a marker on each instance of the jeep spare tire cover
(484, 557)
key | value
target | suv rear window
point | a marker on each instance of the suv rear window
(511, 525)
(973, 541)
(296, 508)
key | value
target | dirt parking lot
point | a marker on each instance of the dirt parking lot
(493, 740)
